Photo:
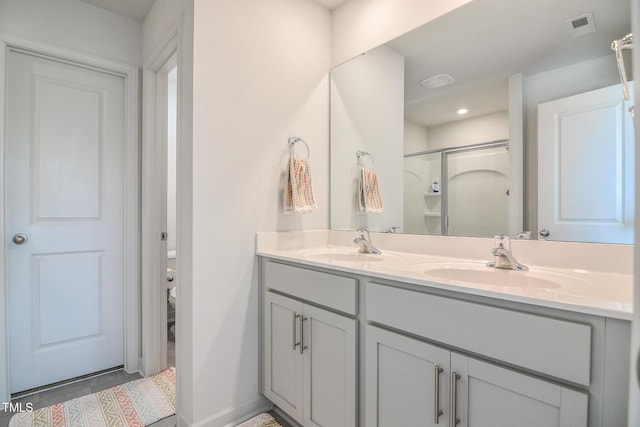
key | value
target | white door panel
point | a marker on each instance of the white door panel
(65, 179)
(586, 167)
(66, 187)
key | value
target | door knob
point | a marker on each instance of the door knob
(20, 239)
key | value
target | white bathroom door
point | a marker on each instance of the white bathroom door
(65, 220)
(586, 167)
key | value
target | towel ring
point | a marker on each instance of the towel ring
(293, 141)
(360, 154)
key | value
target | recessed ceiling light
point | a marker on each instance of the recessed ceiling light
(437, 81)
(462, 111)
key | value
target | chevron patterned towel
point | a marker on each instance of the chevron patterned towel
(369, 197)
(136, 403)
(298, 190)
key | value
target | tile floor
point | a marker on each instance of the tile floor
(80, 388)
(88, 386)
(92, 385)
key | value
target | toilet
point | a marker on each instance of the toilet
(171, 299)
(171, 285)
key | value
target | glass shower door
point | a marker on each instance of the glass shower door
(477, 191)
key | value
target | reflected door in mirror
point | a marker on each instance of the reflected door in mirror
(586, 167)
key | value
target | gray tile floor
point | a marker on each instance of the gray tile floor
(74, 390)
(92, 385)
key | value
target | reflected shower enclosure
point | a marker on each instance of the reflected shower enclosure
(458, 191)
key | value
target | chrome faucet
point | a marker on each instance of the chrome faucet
(503, 258)
(364, 241)
(524, 235)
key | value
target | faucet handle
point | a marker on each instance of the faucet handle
(363, 231)
(502, 241)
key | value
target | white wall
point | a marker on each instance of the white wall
(259, 76)
(74, 25)
(360, 25)
(476, 130)
(547, 86)
(367, 113)
(161, 22)
(416, 137)
(251, 74)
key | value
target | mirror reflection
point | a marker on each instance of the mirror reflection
(499, 117)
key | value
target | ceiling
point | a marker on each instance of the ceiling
(481, 43)
(138, 9)
(331, 4)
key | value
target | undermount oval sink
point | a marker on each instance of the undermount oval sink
(479, 273)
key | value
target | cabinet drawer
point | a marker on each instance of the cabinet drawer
(329, 290)
(554, 347)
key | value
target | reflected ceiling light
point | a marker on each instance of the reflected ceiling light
(437, 81)
(462, 111)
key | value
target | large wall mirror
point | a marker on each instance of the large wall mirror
(498, 117)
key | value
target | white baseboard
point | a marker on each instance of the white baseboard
(235, 415)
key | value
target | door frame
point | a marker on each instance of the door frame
(129, 73)
(154, 189)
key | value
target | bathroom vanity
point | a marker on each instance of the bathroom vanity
(410, 338)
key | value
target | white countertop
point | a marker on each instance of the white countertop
(583, 290)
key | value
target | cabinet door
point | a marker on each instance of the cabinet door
(401, 381)
(282, 359)
(491, 396)
(329, 369)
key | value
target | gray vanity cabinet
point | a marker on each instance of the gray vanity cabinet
(406, 381)
(346, 350)
(282, 358)
(309, 353)
(411, 382)
(491, 395)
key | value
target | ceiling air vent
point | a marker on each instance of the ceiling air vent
(581, 25)
(437, 81)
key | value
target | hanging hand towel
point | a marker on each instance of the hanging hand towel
(298, 190)
(369, 197)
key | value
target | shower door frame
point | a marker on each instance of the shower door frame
(444, 170)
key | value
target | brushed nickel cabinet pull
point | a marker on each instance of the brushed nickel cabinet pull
(295, 344)
(454, 399)
(437, 411)
(302, 346)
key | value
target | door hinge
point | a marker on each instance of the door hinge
(163, 236)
